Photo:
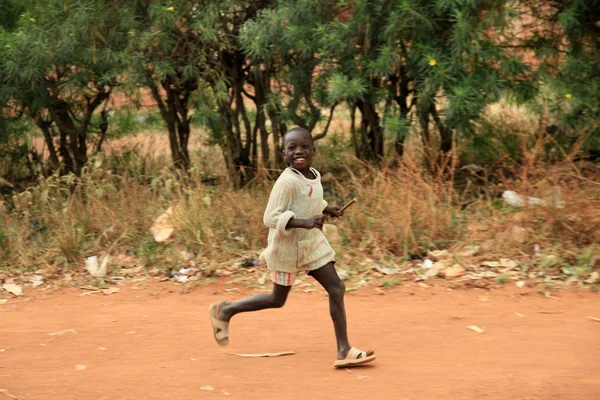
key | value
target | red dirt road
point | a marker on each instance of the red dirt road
(155, 343)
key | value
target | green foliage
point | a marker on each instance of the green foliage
(247, 70)
(58, 64)
(570, 67)
(286, 39)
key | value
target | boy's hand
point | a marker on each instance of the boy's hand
(315, 222)
(333, 211)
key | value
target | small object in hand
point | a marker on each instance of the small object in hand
(348, 205)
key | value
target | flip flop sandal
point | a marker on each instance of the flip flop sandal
(220, 327)
(353, 358)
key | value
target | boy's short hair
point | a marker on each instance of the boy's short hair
(296, 129)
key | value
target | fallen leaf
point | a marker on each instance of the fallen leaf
(454, 271)
(491, 264)
(80, 367)
(519, 314)
(131, 271)
(162, 229)
(92, 292)
(470, 251)
(594, 319)
(282, 353)
(63, 332)
(101, 349)
(431, 273)
(380, 291)
(130, 333)
(37, 280)
(209, 388)
(475, 328)
(13, 289)
(520, 284)
(508, 264)
(594, 277)
(110, 291)
(548, 295)
(438, 254)
(386, 271)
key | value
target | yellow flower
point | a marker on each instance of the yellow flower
(569, 96)
(30, 203)
(432, 62)
(32, 19)
(171, 9)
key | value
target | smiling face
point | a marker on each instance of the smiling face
(298, 148)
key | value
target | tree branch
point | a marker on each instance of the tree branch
(326, 129)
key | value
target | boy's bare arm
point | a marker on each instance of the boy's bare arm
(315, 222)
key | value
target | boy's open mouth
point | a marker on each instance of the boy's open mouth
(300, 159)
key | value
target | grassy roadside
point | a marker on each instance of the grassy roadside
(404, 216)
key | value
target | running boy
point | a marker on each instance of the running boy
(295, 215)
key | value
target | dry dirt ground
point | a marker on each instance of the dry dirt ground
(155, 342)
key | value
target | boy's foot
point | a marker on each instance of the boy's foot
(354, 357)
(220, 327)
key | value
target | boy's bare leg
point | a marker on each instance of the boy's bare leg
(331, 282)
(275, 299)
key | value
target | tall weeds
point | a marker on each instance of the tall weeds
(401, 211)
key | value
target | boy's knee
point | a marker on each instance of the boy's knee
(337, 290)
(278, 302)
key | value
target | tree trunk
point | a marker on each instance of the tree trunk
(353, 139)
(237, 155)
(401, 93)
(174, 111)
(426, 138)
(261, 89)
(183, 136)
(45, 128)
(279, 130)
(371, 145)
(444, 131)
(103, 130)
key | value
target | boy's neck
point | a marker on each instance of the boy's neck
(308, 174)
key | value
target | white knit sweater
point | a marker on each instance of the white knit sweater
(293, 250)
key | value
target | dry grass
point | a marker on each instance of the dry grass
(60, 221)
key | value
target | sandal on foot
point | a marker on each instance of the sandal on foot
(220, 327)
(353, 358)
